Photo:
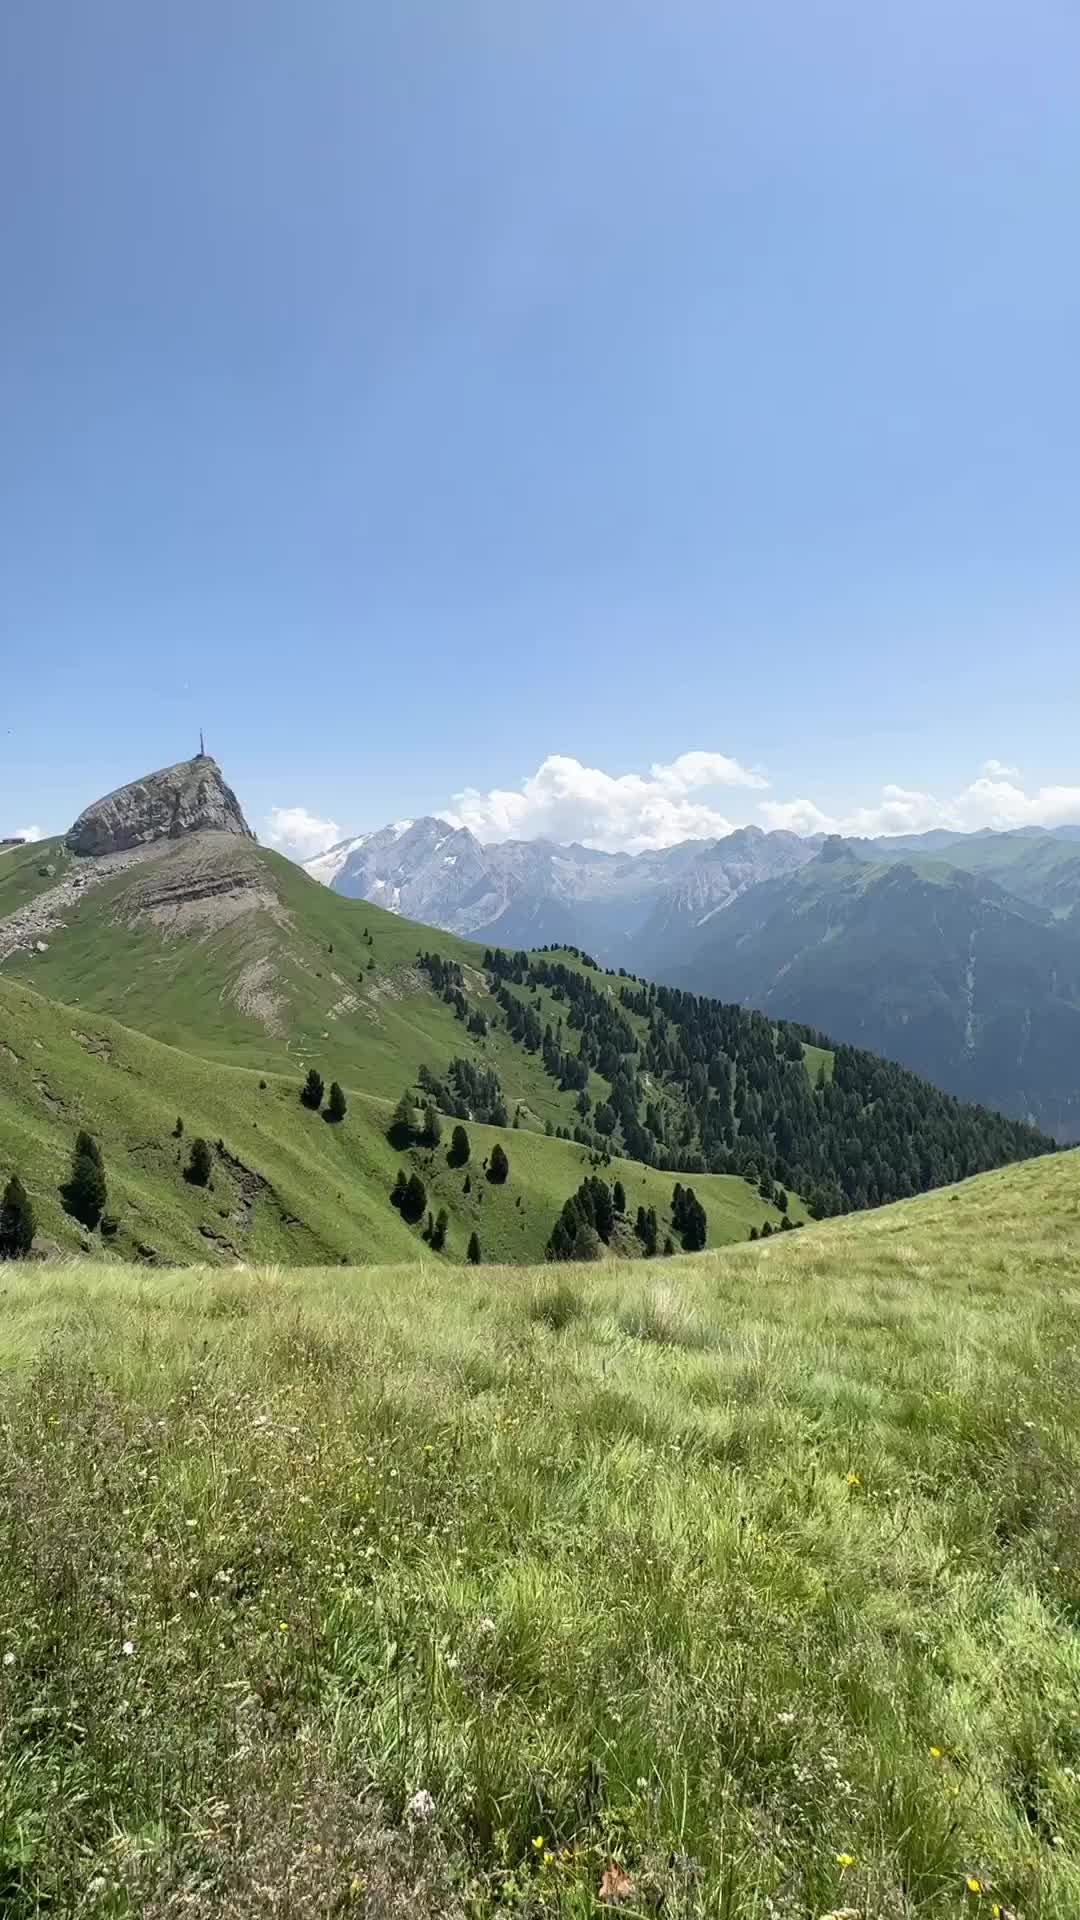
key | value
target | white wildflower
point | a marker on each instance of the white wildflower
(421, 1807)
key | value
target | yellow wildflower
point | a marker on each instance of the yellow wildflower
(538, 1843)
(853, 1480)
(935, 1753)
(973, 1885)
(844, 1861)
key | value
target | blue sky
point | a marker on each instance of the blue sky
(413, 393)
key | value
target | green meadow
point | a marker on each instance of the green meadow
(738, 1585)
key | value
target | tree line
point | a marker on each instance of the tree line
(697, 1086)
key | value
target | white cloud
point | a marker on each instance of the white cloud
(629, 812)
(677, 800)
(997, 770)
(986, 802)
(298, 833)
(29, 833)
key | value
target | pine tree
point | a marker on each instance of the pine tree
(311, 1092)
(199, 1163)
(86, 1144)
(86, 1194)
(459, 1147)
(414, 1199)
(16, 1221)
(473, 1252)
(178, 1130)
(499, 1165)
(586, 1245)
(337, 1106)
(397, 1191)
(691, 1223)
(403, 1120)
(438, 1237)
(618, 1197)
(431, 1132)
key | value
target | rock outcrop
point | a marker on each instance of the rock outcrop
(191, 797)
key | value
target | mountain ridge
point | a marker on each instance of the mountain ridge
(230, 975)
(665, 915)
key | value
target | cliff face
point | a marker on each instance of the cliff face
(191, 797)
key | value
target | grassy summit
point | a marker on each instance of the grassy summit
(741, 1585)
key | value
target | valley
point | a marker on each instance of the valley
(180, 986)
(869, 940)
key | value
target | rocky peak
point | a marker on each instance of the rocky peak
(191, 797)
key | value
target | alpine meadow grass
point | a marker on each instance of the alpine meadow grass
(744, 1584)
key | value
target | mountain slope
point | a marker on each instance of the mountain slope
(926, 964)
(287, 1186)
(242, 965)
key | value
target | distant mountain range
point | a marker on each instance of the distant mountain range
(189, 999)
(956, 954)
(525, 893)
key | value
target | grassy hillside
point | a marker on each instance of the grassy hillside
(289, 1186)
(296, 975)
(247, 971)
(743, 1585)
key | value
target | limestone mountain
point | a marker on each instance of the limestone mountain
(190, 797)
(182, 983)
(624, 908)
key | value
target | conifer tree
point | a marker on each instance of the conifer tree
(337, 1106)
(17, 1221)
(414, 1199)
(431, 1132)
(499, 1165)
(311, 1093)
(86, 1144)
(86, 1194)
(199, 1163)
(459, 1147)
(586, 1244)
(473, 1253)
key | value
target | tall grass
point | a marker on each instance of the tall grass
(749, 1587)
